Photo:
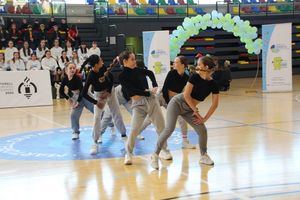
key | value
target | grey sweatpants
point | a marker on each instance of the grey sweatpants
(107, 117)
(178, 107)
(182, 123)
(113, 105)
(140, 109)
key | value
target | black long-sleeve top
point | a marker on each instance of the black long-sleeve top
(99, 83)
(133, 82)
(175, 83)
(74, 84)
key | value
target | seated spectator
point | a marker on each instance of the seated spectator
(24, 25)
(36, 25)
(41, 34)
(3, 37)
(69, 49)
(55, 35)
(223, 75)
(2, 62)
(16, 64)
(56, 50)
(2, 23)
(64, 28)
(40, 51)
(9, 51)
(73, 36)
(63, 60)
(83, 51)
(14, 33)
(51, 23)
(94, 50)
(25, 52)
(76, 60)
(33, 63)
(49, 63)
(28, 36)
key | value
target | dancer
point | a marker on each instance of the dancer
(104, 92)
(77, 102)
(200, 85)
(173, 85)
(143, 102)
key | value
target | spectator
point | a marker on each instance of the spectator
(83, 51)
(63, 60)
(16, 64)
(56, 50)
(9, 23)
(40, 51)
(28, 36)
(51, 23)
(3, 37)
(76, 60)
(49, 63)
(55, 34)
(33, 63)
(14, 34)
(64, 28)
(223, 75)
(69, 49)
(41, 34)
(24, 25)
(36, 25)
(2, 62)
(94, 50)
(9, 51)
(73, 36)
(26, 52)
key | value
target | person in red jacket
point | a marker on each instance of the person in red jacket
(73, 36)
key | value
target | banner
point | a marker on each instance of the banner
(25, 88)
(157, 54)
(277, 57)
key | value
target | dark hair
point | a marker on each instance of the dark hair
(40, 47)
(61, 57)
(3, 56)
(32, 54)
(93, 60)
(183, 60)
(83, 50)
(44, 56)
(124, 56)
(77, 56)
(26, 52)
(14, 60)
(208, 61)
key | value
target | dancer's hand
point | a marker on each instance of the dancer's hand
(75, 104)
(154, 90)
(70, 101)
(104, 95)
(198, 119)
(100, 104)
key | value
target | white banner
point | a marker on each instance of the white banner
(25, 88)
(277, 57)
(157, 54)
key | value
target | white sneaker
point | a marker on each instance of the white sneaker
(75, 136)
(124, 139)
(206, 160)
(187, 145)
(128, 159)
(113, 133)
(140, 137)
(165, 154)
(154, 161)
(99, 141)
(94, 149)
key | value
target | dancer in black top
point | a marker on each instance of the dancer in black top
(77, 102)
(104, 92)
(200, 85)
(143, 101)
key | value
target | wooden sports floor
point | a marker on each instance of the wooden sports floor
(254, 139)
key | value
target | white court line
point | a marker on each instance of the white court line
(42, 118)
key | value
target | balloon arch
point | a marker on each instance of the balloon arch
(192, 26)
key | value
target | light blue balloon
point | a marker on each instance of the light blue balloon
(214, 14)
(236, 19)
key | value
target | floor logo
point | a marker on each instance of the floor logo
(56, 144)
(27, 88)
